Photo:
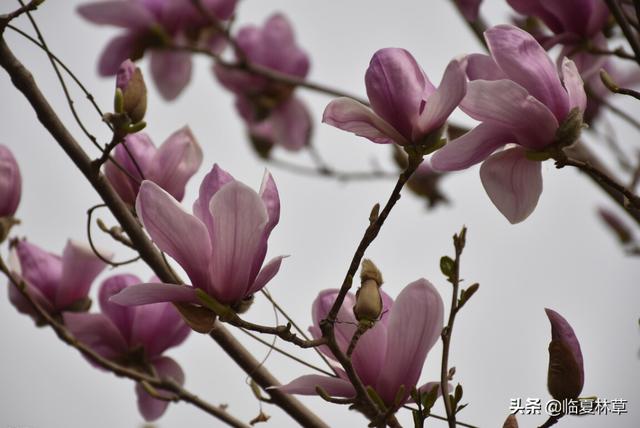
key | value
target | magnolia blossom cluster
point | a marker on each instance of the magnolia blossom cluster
(272, 112)
(528, 107)
(580, 27)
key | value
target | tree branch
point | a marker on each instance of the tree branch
(24, 82)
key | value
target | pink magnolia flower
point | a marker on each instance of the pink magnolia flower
(518, 96)
(56, 283)
(469, 8)
(149, 24)
(133, 336)
(170, 166)
(269, 108)
(566, 367)
(221, 246)
(571, 21)
(10, 183)
(388, 355)
(405, 106)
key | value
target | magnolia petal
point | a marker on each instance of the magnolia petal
(306, 385)
(117, 50)
(178, 233)
(80, 266)
(152, 292)
(291, 125)
(126, 14)
(471, 148)
(39, 268)
(134, 154)
(212, 182)
(121, 316)
(266, 274)
(152, 408)
(441, 103)
(157, 327)
(349, 115)
(171, 71)
(513, 183)
(175, 162)
(520, 56)
(415, 325)
(509, 105)
(574, 85)
(23, 305)
(396, 86)
(271, 198)
(98, 332)
(239, 218)
(481, 66)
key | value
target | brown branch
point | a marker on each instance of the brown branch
(24, 82)
(166, 384)
(629, 34)
(24, 8)
(580, 152)
(632, 200)
(607, 80)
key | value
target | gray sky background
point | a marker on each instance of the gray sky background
(561, 257)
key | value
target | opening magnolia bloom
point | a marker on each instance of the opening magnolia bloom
(388, 355)
(56, 283)
(405, 106)
(170, 166)
(221, 246)
(518, 96)
(134, 337)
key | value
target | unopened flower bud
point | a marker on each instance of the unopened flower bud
(566, 368)
(616, 225)
(368, 305)
(132, 96)
(10, 183)
(510, 422)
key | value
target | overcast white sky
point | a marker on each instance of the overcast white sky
(561, 257)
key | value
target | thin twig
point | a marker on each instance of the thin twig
(93, 247)
(25, 8)
(632, 200)
(266, 293)
(286, 354)
(447, 331)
